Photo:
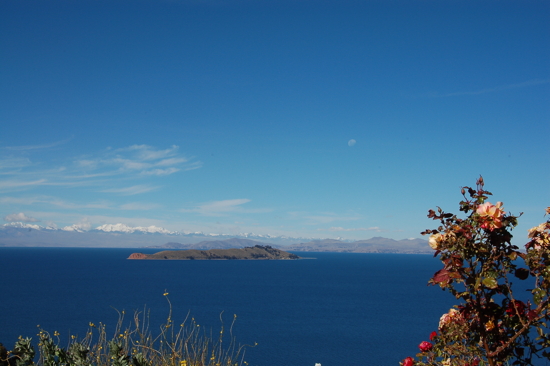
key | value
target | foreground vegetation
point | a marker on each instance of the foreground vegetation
(133, 344)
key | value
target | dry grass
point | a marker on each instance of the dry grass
(134, 343)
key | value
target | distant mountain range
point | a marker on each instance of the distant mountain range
(373, 245)
(54, 236)
(213, 244)
(122, 236)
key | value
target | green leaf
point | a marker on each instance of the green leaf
(538, 295)
(490, 282)
(478, 284)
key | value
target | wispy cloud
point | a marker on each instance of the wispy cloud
(495, 89)
(221, 208)
(166, 171)
(140, 159)
(108, 167)
(83, 225)
(19, 217)
(64, 204)
(38, 147)
(133, 190)
(54, 201)
(13, 163)
(139, 206)
(339, 228)
(146, 152)
(328, 218)
(20, 184)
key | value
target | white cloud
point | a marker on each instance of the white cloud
(14, 163)
(54, 201)
(172, 161)
(83, 225)
(19, 217)
(142, 159)
(133, 190)
(18, 184)
(128, 164)
(18, 200)
(328, 218)
(138, 206)
(38, 147)
(105, 168)
(221, 208)
(146, 152)
(193, 166)
(87, 163)
(161, 171)
(51, 224)
(339, 228)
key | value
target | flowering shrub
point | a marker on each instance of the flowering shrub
(492, 325)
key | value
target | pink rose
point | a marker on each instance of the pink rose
(452, 316)
(408, 361)
(491, 215)
(425, 346)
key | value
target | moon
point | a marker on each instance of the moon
(351, 142)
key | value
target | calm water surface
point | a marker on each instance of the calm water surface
(337, 309)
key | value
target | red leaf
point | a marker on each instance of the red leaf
(441, 276)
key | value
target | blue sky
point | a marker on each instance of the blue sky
(238, 116)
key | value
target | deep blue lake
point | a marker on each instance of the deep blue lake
(337, 309)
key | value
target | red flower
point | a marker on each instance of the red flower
(408, 361)
(425, 346)
(433, 335)
(511, 309)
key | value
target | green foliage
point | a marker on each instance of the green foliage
(491, 325)
(132, 345)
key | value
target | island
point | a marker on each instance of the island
(255, 253)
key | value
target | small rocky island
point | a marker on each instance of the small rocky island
(255, 252)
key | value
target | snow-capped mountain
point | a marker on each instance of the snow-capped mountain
(22, 225)
(25, 234)
(122, 228)
(74, 227)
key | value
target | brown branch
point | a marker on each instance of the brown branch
(518, 333)
(489, 357)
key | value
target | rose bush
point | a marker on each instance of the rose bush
(491, 325)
